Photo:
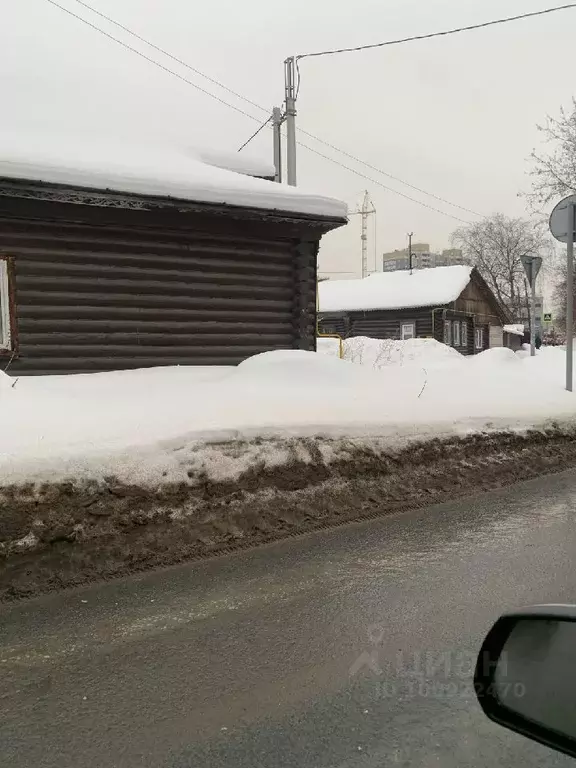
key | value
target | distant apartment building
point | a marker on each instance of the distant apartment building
(422, 258)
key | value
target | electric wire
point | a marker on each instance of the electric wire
(444, 33)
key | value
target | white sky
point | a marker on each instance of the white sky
(455, 116)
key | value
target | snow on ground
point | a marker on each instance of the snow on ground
(148, 425)
(383, 352)
(379, 353)
(395, 290)
(156, 171)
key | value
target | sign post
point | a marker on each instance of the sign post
(570, 299)
(532, 266)
(562, 227)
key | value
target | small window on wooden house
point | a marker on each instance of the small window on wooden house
(407, 331)
(479, 338)
(4, 306)
(447, 332)
(464, 334)
(456, 333)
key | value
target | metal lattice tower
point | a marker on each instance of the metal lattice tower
(366, 210)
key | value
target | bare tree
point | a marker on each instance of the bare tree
(495, 245)
(553, 173)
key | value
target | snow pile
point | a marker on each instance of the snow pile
(497, 358)
(395, 290)
(327, 346)
(380, 353)
(162, 172)
(5, 384)
(150, 426)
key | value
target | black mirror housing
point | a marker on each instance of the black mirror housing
(525, 677)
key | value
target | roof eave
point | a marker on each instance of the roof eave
(43, 190)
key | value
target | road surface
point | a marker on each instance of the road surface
(346, 649)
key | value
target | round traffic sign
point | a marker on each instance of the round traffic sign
(559, 225)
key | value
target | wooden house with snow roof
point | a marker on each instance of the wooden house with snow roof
(128, 258)
(453, 305)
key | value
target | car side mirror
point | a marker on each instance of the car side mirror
(525, 676)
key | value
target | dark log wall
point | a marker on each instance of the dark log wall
(104, 289)
(378, 324)
(443, 315)
(477, 302)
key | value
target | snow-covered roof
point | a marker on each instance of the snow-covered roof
(153, 171)
(515, 328)
(395, 290)
(239, 162)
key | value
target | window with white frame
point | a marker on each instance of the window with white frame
(464, 335)
(4, 306)
(456, 333)
(479, 338)
(407, 331)
(447, 332)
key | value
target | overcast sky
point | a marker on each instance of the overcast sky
(455, 116)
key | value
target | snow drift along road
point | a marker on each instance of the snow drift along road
(138, 425)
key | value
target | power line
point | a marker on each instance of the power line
(251, 117)
(438, 34)
(164, 52)
(379, 183)
(389, 175)
(150, 60)
(256, 132)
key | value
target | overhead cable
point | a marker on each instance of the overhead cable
(150, 60)
(430, 35)
(164, 52)
(252, 117)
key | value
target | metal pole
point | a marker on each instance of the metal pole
(532, 312)
(290, 88)
(410, 250)
(570, 294)
(276, 125)
(364, 235)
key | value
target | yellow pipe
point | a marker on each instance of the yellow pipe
(332, 336)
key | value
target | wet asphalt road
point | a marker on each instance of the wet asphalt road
(348, 649)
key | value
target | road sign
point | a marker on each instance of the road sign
(563, 228)
(559, 226)
(532, 266)
(547, 317)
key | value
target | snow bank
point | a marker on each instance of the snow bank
(5, 382)
(328, 346)
(300, 369)
(150, 426)
(163, 172)
(495, 358)
(395, 290)
(379, 353)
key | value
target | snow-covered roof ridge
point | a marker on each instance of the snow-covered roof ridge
(395, 290)
(238, 162)
(156, 172)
